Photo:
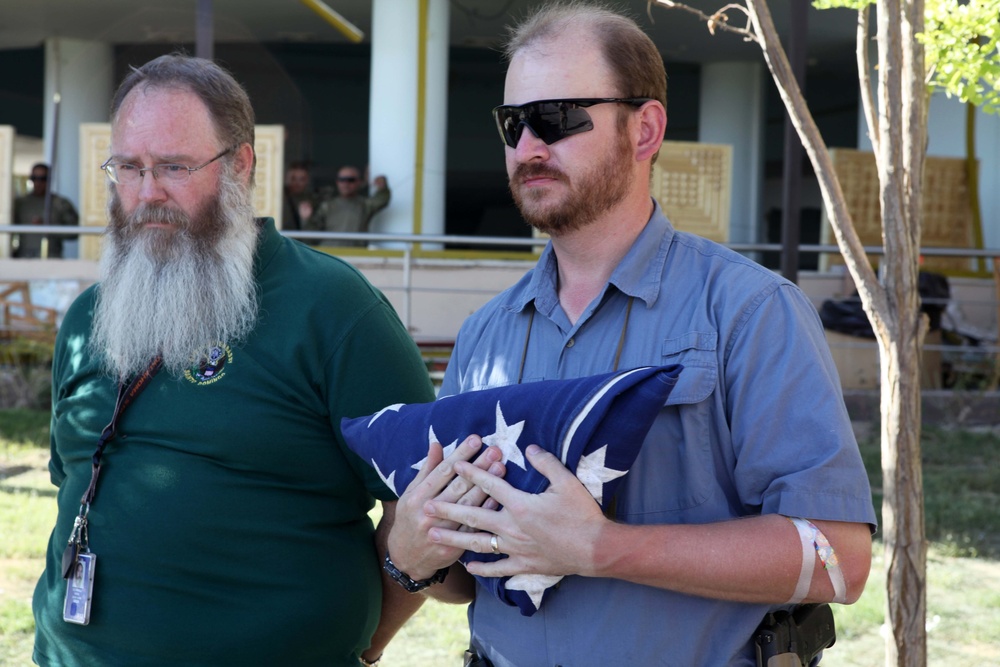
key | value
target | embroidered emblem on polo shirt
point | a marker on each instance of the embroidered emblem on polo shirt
(212, 369)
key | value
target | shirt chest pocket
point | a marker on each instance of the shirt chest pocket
(674, 473)
(696, 351)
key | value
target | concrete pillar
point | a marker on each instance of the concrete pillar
(80, 74)
(731, 111)
(408, 117)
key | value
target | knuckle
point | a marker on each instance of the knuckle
(473, 498)
(458, 487)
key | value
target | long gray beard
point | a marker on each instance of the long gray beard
(178, 299)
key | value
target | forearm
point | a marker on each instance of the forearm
(756, 559)
(379, 200)
(397, 604)
(459, 587)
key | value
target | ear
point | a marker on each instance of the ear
(652, 123)
(244, 162)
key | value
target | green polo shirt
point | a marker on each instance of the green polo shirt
(230, 522)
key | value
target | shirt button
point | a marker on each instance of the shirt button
(570, 343)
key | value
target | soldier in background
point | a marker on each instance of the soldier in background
(30, 209)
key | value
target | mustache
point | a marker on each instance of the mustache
(128, 225)
(146, 213)
(527, 170)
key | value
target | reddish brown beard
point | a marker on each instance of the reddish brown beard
(591, 192)
(204, 229)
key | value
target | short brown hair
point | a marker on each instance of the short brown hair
(633, 59)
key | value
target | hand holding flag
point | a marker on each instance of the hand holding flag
(594, 426)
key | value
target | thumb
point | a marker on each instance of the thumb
(435, 454)
(546, 463)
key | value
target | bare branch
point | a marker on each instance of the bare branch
(812, 141)
(717, 20)
(864, 77)
(916, 98)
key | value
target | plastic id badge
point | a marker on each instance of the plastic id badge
(80, 590)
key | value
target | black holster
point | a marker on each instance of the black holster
(474, 659)
(794, 639)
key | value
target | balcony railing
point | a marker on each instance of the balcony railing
(967, 350)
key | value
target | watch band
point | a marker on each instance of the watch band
(406, 582)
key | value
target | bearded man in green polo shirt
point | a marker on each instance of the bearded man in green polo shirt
(228, 523)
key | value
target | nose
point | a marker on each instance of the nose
(150, 190)
(529, 146)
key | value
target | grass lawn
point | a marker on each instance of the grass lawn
(961, 479)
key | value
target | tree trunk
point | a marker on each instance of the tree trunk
(892, 303)
(903, 505)
(902, 145)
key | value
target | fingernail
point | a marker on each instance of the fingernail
(471, 442)
(496, 469)
(532, 449)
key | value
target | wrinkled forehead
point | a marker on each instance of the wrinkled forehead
(171, 119)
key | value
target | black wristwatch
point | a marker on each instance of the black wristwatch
(406, 582)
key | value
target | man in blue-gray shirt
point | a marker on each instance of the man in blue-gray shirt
(749, 494)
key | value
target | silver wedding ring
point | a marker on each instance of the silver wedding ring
(495, 544)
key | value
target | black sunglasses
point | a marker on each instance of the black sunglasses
(552, 120)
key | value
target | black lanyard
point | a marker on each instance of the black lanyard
(618, 351)
(127, 393)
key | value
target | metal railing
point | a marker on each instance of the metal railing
(431, 239)
(411, 249)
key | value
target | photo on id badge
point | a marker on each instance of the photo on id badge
(79, 589)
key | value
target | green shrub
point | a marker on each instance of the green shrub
(26, 373)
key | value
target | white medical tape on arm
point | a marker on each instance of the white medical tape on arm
(808, 563)
(813, 540)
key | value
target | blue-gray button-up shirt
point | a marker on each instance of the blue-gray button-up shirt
(756, 424)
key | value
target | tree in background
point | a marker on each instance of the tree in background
(921, 44)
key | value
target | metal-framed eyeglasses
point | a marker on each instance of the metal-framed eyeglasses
(123, 173)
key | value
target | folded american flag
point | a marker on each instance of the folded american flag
(595, 425)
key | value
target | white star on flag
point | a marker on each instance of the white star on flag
(534, 585)
(506, 439)
(389, 481)
(593, 473)
(394, 407)
(431, 437)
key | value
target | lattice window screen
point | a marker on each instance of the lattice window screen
(693, 183)
(6, 184)
(947, 218)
